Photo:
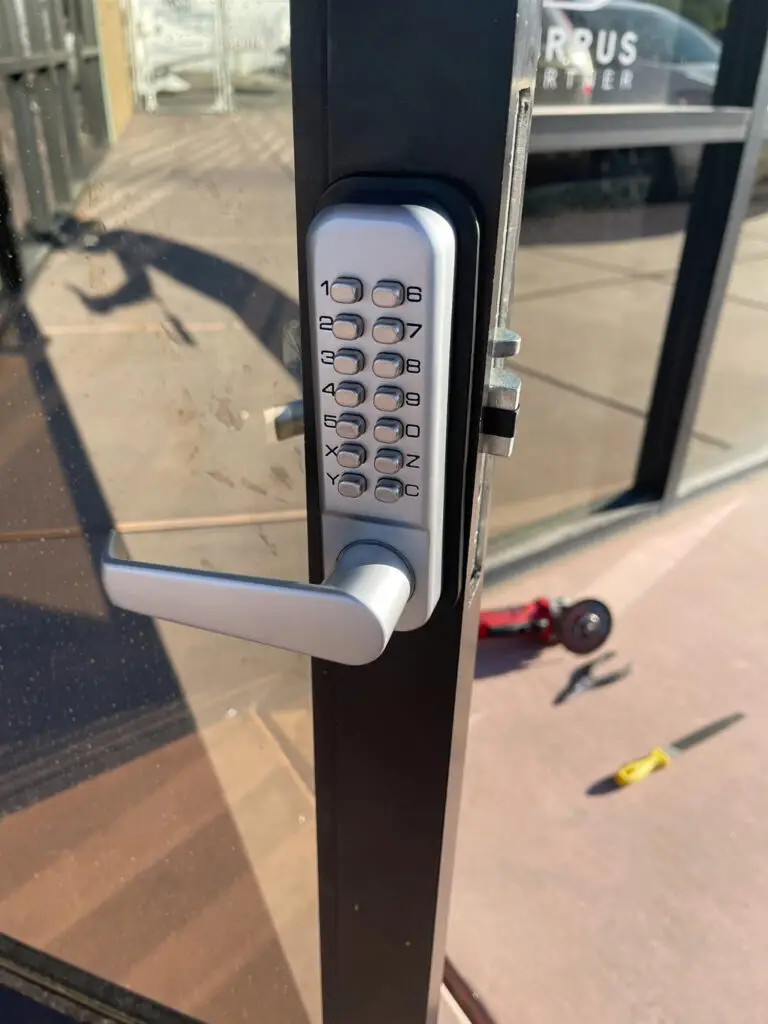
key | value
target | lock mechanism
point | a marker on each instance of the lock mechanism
(381, 285)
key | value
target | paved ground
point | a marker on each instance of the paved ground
(134, 391)
(645, 905)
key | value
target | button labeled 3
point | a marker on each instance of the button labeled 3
(348, 361)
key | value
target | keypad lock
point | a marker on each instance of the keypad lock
(381, 292)
(381, 284)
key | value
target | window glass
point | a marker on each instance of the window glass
(601, 239)
(731, 422)
(630, 51)
(157, 824)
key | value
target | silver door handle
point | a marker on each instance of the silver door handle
(348, 618)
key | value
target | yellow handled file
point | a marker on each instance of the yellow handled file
(635, 771)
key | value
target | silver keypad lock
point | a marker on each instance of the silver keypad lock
(402, 258)
(381, 285)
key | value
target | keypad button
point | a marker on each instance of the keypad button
(388, 490)
(347, 326)
(350, 425)
(351, 456)
(388, 294)
(349, 393)
(348, 361)
(351, 485)
(346, 289)
(386, 399)
(388, 460)
(388, 364)
(388, 431)
(388, 330)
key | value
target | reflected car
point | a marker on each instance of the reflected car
(640, 53)
(647, 54)
(566, 72)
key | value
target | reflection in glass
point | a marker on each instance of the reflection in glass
(630, 51)
(593, 283)
(218, 55)
(730, 422)
(156, 799)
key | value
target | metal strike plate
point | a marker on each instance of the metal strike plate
(500, 413)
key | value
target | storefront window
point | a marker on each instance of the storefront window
(601, 240)
(630, 51)
(730, 422)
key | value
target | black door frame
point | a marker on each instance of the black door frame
(375, 94)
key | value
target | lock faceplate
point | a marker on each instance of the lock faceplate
(401, 261)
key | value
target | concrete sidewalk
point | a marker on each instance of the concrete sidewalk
(644, 905)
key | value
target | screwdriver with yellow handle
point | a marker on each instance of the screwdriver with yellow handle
(660, 757)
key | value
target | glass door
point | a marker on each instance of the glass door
(157, 781)
(195, 823)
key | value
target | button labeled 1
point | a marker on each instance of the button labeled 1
(346, 289)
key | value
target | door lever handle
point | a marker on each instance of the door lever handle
(349, 618)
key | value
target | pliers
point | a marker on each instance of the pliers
(583, 678)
